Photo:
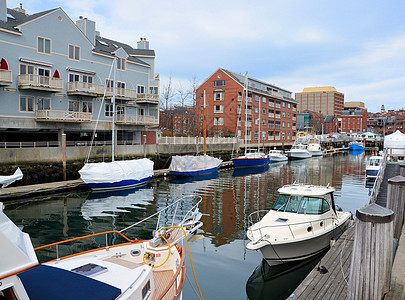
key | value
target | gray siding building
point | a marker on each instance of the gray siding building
(55, 73)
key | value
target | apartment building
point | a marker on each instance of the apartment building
(56, 77)
(354, 117)
(269, 113)
(324, 100)
(386, 122)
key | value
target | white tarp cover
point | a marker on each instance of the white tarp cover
(116, 171)
(7, 180)
(189, 163)
(395, 140)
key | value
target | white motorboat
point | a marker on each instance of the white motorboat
(301, 224)
(277, 156)
(314, 147)
(6, 180)
(373, 167)
(133, 269)
(299, 151)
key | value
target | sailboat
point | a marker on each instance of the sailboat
(252, 157)
(190, 165)
(9, 179)
(116, 174)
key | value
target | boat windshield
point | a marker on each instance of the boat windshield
(301, 204)
(374, 162)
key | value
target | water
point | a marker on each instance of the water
(222, 263)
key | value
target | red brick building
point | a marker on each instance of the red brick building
(227, 112)
(354, 118)
(386, 122)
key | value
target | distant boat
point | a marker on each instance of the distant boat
(314, 147)
(298, 151)
(252, 157)
(116, 174)
(356, 146)
(9, 179)
(277, 156)
(373, 167)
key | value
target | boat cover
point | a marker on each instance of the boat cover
(7, 180)
(116, 171)
(45, 282)
(189, 163)
(395, 140)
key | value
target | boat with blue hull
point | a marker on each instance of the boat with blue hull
(250, 160)
(373, 167)
(189, 165)
(356, 146)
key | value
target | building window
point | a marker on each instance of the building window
(73, 105)
(256, 110)
(283, 104)
(264, 111)
(43, 104)
(288, 124)
(219, 83)
(108, 110)
(44, 72)
(44, 45)
(257, 98)
(289, 105)
(219, 96)
(257, 121)
(74, 52)
(121, 63)
(26, 69)
(140, 89)
(87, 106)
(109, 83)
(218, 121)
(74, 77)
(283, 113)
(120, 110)
(283, 124)
(264, 99)
(153, 90)
(120, 85)
(218, 108)
(87, 79)
(27, 103)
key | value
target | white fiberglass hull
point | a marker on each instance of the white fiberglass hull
(277, 158)
(316, 153)
(299, 154)
(279, 253)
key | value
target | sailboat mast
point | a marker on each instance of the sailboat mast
(113, 112)
(246, 106)
(205, 134)
(258, 140)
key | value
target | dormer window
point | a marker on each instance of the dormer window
(121, 63)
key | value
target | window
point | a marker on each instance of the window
(257, 121)
(74, 52)
(288, 105)
(283, 104)
(264, 111)
(87, 79)
(43, 104)
(153, 90)
(108, 110)
(283, 113)
(120, 85)
(313, 206)
(283, 124)
(74, 77)
(281, 202)
(26, 69)
(109, 83)
(44, 72)
(121, 63)
(218, 121)
(293, 204)
(264, 99)
(44, 45)
(219, 83)
(219, 96)
(87, 107)
(257, 98)
(218, 108)
(256, 110)
(146, 291)
(27, 103)
(140, 89)
(73, 105)
(120, 110)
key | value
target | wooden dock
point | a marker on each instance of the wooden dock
(331, 285)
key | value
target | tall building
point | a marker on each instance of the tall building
(268, 107)
(354, 117)
(54, 73)
(324, 100)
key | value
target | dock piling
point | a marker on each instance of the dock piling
(396, 202)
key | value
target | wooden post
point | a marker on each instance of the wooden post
(402, 170)
(396, 202)
(144, 145)
(64, 155)
(370, 270)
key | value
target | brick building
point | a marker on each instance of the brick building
(324, 100)
(354, 117)
(270, 106)
(386, 122)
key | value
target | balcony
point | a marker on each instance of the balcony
(127, 119)
(121, 93)
(62, 116)
(85, 89)
(5, 77)
(147, 99)
(39, 82)
(276, 94)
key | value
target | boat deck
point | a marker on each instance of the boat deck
(331, 285)
(161, 278)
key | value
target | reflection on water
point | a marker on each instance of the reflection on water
(222, 262)
(278, 282)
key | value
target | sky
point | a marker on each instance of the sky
(358, 46)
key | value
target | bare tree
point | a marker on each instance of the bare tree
(168, 93)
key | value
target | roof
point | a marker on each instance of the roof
(354, 104)
(240, 78)
(319, 89)
(329, 119)
(305, 190)
(19, 18)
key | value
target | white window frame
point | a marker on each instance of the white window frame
(108, 110)
(75, 105)
(218, 121)
(73, 56)
(121, 63)
(220, 110)
(88, 105)
(43, 98)
(44, 39)
(27, 97)
(140, 87)
(27, 66)
(218, 96)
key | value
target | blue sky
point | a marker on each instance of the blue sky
(356, 46)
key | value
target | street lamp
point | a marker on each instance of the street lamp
(171, 115)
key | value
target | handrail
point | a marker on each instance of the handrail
(380, 178)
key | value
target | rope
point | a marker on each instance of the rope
(168, 255)
(189, 281)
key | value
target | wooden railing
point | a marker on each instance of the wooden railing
(39, 82)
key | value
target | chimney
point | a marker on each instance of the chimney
(143, 44)
(20, 9)
(88, 28)
(3, 10)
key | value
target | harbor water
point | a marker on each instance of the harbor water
(225, 269)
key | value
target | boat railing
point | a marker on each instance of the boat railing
(379, 178)
(322, 225)
(191, 214)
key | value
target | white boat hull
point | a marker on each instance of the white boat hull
(280, 253)
(316, 153)
(293, 154)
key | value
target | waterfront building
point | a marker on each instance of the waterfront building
(271, 106)
(386, 122)
(354, 117)
(54, 73)
(324, 100)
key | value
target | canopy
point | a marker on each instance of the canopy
(3, 64)
(395, 140)
(56, 74)
(7, 180)
(116, 171)
(193, 163)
